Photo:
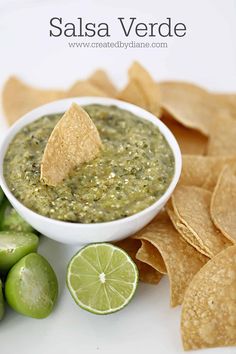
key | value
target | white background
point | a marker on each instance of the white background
(207, 55)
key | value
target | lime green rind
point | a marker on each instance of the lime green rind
(2, 302)
(112, 309)
(2, 196)
(31, 287)
(11, 220)
(14, 246)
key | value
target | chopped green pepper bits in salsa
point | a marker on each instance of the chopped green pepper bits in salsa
(133, 170)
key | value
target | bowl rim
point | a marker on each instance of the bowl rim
(56, 107)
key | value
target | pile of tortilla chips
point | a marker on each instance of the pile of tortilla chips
(192, 240)
(19, 98)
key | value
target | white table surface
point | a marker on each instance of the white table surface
(207, 55)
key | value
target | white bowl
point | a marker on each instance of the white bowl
(75, 233)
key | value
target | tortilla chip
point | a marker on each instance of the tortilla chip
(226, 103)
(142, 90)
(213, 176)
(203, 171)
(148, 86)
(222, 141)
(223, 204)
(182, 261)
(147, 274)
(73, 141)
(149, 254)
(184, 231)
(101, 80)
(192, 205)
(19, 98)
(85, 88)
(190, 105)
(209, 307)
(195, 170)
(132, 94)
(190, 141)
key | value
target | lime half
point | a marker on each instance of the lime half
(31, 287)
(102, 278)
(1, 301)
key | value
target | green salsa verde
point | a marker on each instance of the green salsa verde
(133, 170)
